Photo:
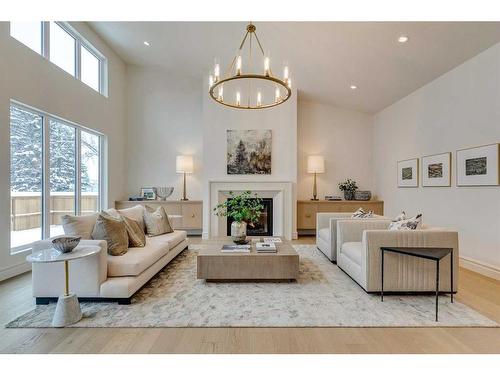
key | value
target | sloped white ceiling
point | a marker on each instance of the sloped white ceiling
(325, 57)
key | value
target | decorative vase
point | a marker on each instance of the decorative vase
(348, 195)
(239, 232)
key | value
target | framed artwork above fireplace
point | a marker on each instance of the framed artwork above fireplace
(249, 151)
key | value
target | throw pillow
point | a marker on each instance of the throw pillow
(156, 221)
(80, 226)
(136, 236)
(358, 213)
(113, 231)
(407, 224)
(361, 214)
(401, 216)
(135, 213)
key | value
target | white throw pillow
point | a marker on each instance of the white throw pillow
(407, 224)
(81, 226)
(360, 213)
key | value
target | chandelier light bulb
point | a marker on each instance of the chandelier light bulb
(259, 99)
(210, 80)
(266, 66)
(277, 94)
(221, 93)
(286, 73)
(238, 98)
(289, 83)
(217, 72)
(238, 66)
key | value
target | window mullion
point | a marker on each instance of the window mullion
(46, 40)
(46, 179)
(78, 176)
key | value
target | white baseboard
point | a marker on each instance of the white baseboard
(480, 267)
(18, 269)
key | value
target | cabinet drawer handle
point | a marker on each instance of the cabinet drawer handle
(308, 216)
(193, 215)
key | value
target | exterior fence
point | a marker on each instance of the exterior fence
(26, 208)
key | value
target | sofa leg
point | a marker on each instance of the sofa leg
(124, 301)
(42, 301)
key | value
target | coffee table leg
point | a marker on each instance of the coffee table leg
(451, 273)
(437, 289)
(68, 308)
(382, 281)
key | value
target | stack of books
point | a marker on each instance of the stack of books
(265, 247)
(235, 249)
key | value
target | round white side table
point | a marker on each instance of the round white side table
(68, 308)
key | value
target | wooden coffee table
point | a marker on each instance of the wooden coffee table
(214, 265)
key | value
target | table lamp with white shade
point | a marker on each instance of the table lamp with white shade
(315, 164)
(184, 164)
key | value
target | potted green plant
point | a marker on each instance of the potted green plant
(348, 187)
(244, 209)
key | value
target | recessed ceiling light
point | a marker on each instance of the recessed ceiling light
(353, 87)
(146, 43)
(403, 39)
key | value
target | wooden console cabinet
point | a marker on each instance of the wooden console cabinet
(307, 210)
(190, 212)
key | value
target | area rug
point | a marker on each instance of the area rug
(323, 296)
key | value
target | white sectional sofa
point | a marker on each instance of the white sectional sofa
(103, 276)
(358, 251)
(326, 231)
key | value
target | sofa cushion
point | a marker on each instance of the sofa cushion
(138, 259)
(157, 222)
(353, 251)
(325, 234)
(135, 213)
(113, 231)
(79, 225)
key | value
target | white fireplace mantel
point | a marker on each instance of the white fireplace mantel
(280, 192)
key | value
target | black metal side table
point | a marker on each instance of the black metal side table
(432, 253)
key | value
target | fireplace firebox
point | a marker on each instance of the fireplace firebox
(264, 226)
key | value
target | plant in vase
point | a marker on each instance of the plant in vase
(244, 209)
(348, 187)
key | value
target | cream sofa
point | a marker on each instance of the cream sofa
(326, 231)
(103, 276)
(358, 251)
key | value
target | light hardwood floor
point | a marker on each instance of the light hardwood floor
(479, 292)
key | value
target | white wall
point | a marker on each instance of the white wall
(458, 110)
(163, 121)
(343, 137)
(28, 78)
(217, 119)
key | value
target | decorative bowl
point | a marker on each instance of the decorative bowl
(65, 244)
(164, 192)
(362, 195)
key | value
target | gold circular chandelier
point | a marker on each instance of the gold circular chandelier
(246, 85)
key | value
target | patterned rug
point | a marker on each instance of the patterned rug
(323, 296)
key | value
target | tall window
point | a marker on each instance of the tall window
(52, 178)
(66, 48)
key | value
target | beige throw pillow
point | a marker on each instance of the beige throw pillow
(81, 226)
(135, 213)
(113, 231)
(136, 236)
(156, 221)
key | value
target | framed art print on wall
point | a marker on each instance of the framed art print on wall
(408, 173)
(478, 166)
(436, 170)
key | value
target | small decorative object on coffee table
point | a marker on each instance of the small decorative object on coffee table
(348, 187)
(68, 308)
(431, 253)
(244, 209)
